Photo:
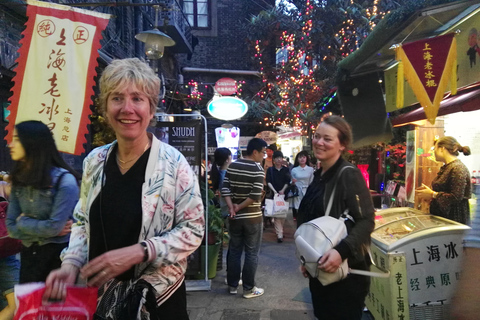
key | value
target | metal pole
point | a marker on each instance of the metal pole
(192, 285)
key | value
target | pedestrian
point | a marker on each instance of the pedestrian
(302, 176)
(43, 195)
(267, 162)
(140, 214)
(465, 302)
(452, 187)
(278, 180)
(242, 189)
(343, 299)
(9, 264)
(222, 159)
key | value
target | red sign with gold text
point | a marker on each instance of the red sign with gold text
(226, 86)
(428, 68)
(56, 69)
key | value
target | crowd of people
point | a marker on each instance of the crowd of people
(139, 241)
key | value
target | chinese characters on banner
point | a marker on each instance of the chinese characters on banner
(56, 69)
(429, 65)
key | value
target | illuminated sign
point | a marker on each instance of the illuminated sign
(227, 108)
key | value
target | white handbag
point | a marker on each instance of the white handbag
(315, 237)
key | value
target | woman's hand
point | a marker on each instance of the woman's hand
(330, 261)
(111, 264)
(304, 272)
(66, 229)
(424, 192)
(294, 180)
(57, 282)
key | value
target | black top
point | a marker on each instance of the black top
(278, 178)
(314, 207)
(352, 194)
(121, 211)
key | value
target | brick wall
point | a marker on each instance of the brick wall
(227, 50)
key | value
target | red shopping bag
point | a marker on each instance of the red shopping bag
(80, 304)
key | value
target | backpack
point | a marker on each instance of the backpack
(8, 246)
(315, 237)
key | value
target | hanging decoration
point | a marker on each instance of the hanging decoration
(56, 69)
(429, 65)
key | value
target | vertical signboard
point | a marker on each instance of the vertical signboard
(185, 137)
(55, 74)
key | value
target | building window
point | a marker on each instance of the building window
(198, 13)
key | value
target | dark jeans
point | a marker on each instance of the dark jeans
(36, 261)
(340, 300)
(248, 236)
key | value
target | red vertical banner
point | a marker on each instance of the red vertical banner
(429, 65)
(56, 69)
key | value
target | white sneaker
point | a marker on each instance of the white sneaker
(232, 290)
(253, 293)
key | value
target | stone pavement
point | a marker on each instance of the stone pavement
(286, 296)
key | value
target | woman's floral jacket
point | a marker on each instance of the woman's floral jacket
(172, 222)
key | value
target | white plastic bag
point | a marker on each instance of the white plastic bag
(276, 207)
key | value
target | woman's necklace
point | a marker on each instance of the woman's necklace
(119, 161)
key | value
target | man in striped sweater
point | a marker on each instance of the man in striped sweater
(242, 190)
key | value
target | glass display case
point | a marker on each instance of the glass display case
(409, 225)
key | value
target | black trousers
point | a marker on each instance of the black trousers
(36, 261)
(175, 308)
(340, 300)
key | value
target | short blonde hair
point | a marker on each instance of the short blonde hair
(127, 72)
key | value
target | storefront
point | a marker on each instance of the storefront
(369, 91)
(290, 143)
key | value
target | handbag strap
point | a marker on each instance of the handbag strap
(385, 274)
(330, 202)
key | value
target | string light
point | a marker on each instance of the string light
(295, 87)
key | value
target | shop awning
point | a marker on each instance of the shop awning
(289, 135)
(467, 99)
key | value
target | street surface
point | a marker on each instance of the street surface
(286, 297)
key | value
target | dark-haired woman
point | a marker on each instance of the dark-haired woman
(222, 158)
(43, 196)
(302, 176)
(451, 188)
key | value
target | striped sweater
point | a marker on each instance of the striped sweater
(244, 179)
